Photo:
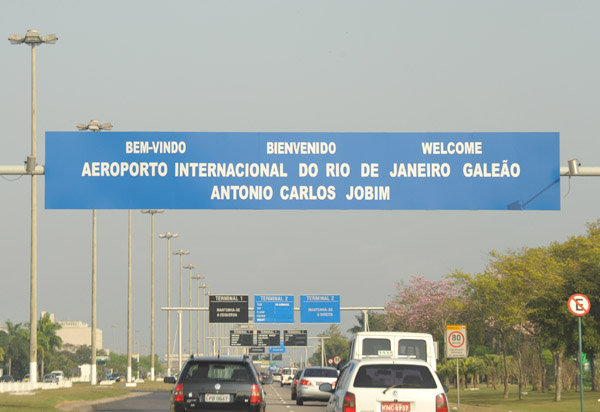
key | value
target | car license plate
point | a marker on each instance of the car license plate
(395, 406)
(217, 397)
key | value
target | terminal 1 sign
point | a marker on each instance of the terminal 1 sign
(370, 171)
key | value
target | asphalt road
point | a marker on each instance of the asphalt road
(278, 400)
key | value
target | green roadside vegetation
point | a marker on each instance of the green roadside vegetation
(490, 400)
(49, 400)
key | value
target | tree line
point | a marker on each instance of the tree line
(54, 355)
(519, 328)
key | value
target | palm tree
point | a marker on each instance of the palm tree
(48, 340)
(13, 342)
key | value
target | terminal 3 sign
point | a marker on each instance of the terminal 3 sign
(372, 171)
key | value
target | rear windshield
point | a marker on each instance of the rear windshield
(320, 373)
(372, 346)
(209, 372)
(414, 348)
(403, 376)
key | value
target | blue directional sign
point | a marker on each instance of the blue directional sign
(277, 349)
(368, 171)
(274, 309)
(320, 309)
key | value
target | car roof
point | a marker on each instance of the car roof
(226, 359)
(390, 361)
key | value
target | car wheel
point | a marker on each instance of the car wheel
(293, 396)
(282, 384)
(299, 401)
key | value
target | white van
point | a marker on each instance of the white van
(393, 345)
(59, 375)
(287, 375)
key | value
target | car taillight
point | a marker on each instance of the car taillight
(441, 403)
(349, 404)
(178, 394)
(333, 384)
(305, 382)
(255, 397)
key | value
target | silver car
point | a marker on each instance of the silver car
(309, 381)
(387, 385)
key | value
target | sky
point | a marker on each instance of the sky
(286, 66)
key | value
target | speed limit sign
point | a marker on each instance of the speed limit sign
(456, 341)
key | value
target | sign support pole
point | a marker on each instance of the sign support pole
(580, 365)
(457, 385)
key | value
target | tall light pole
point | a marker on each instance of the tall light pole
(180, 252)
(129, 290)
(94, 126)
(32, 38)
(198, 313)
(205, 287)
(190, 267)
(152, 212)
(168, 236)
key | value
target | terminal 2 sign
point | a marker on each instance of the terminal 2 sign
(370, 171)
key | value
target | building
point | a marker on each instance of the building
(77, 333)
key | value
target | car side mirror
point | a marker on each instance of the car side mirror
(326, 387)
(169, 379)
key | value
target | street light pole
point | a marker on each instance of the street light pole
(205, 287)
(152, 212)
(32, 38)
(181, 252)
(197, 312)
(190, 267)
(94, 126)
(168, 236)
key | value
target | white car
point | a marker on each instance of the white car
(387, 385)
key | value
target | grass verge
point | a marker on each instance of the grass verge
(48, 400)
(490, 400)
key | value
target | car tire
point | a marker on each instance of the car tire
(293, 396)
(299, 401)
(282, 384)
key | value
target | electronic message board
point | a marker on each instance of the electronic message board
(268, 338)
(274, 309)
(353, 171)
(320, 309)
(241, 337)
(295, 337)
(228, 308)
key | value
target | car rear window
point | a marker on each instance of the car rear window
(415, 348)
(209, 371)
(320, 373)
(401, 376)
(373, 346)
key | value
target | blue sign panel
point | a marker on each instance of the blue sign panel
(277, 349)
(377, 171)
(274, 309)
(320, 309)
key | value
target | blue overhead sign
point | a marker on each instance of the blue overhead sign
(277, 349)
(320, 309)
(274, 309)
(375, 171)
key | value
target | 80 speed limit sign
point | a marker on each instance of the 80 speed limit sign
(456, 341)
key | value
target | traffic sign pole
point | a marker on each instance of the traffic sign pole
(579, 305)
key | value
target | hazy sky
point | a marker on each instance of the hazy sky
(287, 66)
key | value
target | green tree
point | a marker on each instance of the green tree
(336, 345)
(377, 322)
(14, 343)
(48, 340)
